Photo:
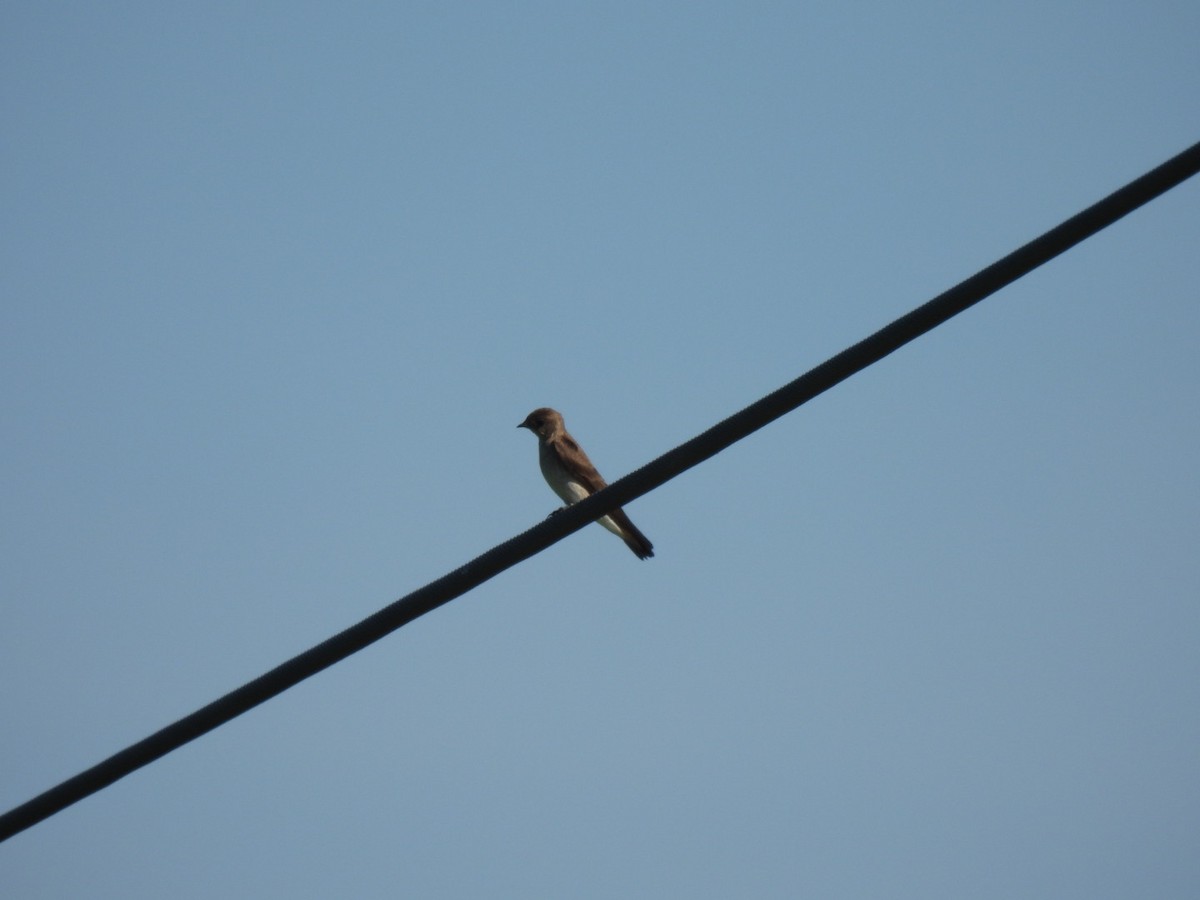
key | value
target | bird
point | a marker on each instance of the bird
(572, 476)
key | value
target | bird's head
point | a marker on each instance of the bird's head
(544, 422)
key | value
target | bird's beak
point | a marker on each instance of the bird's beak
(522, 425)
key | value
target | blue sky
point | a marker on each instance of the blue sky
(279, 281)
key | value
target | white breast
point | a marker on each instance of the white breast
(560, 482)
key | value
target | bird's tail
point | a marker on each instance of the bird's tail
(634, 539)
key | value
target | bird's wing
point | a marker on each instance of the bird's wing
(576, 462)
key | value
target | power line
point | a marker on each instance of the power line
(722, 435)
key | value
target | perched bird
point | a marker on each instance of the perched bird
(572, 476)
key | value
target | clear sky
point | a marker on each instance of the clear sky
(278, 282)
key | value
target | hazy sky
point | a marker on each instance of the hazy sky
(279, 281)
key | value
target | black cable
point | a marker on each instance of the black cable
(619, 493)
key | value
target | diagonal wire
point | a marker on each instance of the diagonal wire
(722, 435)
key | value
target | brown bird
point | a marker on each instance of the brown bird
(572, 476)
